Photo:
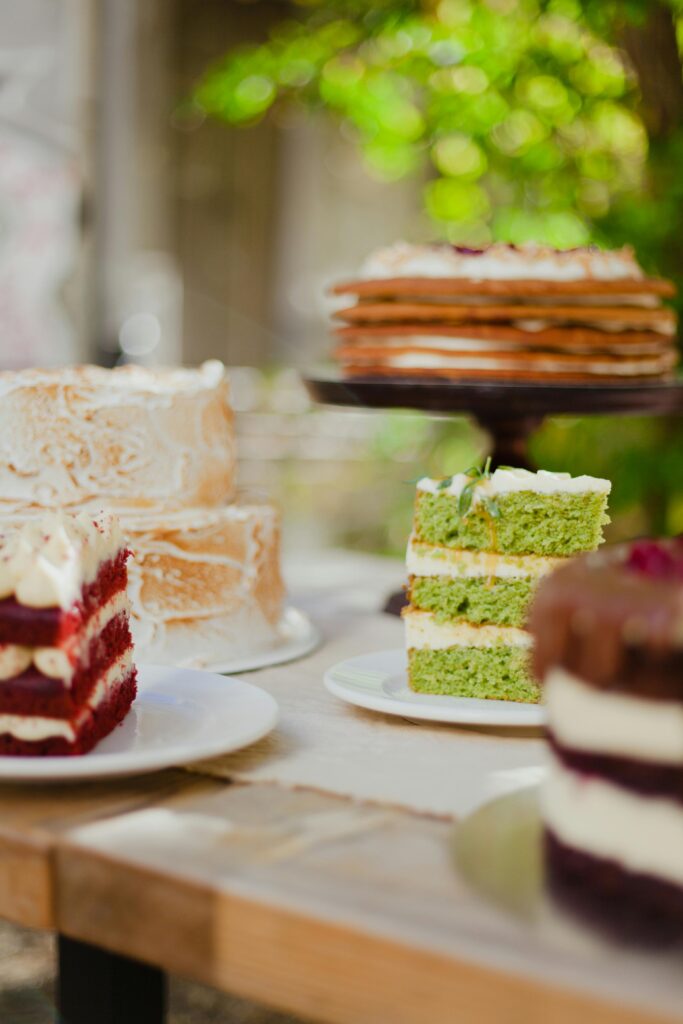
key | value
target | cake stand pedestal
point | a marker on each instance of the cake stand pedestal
(510, 412)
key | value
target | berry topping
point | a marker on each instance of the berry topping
(656, 559)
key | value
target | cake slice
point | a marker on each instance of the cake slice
(481, 541)
(66, 657)
(609, 651)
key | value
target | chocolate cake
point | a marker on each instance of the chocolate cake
(67, 676)
(608, 648)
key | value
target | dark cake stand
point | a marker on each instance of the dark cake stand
(508, 411)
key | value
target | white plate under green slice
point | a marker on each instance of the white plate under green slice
(379, 682)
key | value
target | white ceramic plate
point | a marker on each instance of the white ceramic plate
(297, 637)
(180, 715)
(379, 682)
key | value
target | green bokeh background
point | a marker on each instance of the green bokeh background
(544, 120)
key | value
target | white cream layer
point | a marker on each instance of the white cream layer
(585, 718)
(58, 662)
(449, 343)
(33, 728)
(616, 368)
(501, 262)
(423, 632)
(510, 481)
(431, 560)
(644, 834)
(46, 562)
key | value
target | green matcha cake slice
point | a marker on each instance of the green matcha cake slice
(481, 542)
(513, 511)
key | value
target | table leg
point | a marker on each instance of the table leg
(97, 986)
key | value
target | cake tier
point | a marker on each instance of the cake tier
(205, 584)
(128, 437)
(502, 602)
(464, 660)
(611, 626)
(525, 522)
(52, 627)
(79, 735)
(487, 673)
(632, 906)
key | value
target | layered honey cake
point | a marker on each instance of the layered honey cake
(608, 632)
(508, 312)
(67, 676)
(158, 445)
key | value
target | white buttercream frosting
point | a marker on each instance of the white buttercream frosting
(644, 834)
(123, 438)
(584, 718)
(46, 562)
(431, 560)
(509, 481)
(499, 262)
(424, 632)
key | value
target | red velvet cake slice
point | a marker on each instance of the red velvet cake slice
(608, 647)
(66, 656)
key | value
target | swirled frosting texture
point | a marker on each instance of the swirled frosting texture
(205, 584)
(126, 438)
(46, 562)
(499, 262)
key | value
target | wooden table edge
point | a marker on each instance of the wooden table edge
(301, 963)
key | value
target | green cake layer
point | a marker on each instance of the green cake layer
(526, 523)
(491, 673)
(477, 599)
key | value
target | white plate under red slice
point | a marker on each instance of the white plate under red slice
(379, 682)
(181, 715)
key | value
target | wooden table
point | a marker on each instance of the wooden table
(334, 910)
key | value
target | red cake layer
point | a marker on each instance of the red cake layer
(641, 777)
(33, 693)
(635, 908)
(97, 725)
(50, 627)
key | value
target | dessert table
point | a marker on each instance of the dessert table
(246, 875)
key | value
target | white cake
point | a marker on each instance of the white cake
(158, 446)
(131, 437)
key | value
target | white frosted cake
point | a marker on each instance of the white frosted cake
(158, 445)
(131, 437)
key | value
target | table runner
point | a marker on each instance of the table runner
(322, 743)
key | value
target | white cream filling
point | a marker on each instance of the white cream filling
(58, 662)
(46, 562)
(423, 632)
(644, 834)
(509, 481)
(617, 368)
(431, 560)
(502, 263)
(585, 718)
(33, 728)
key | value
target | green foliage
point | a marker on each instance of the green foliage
(525, 121)
(516, 110)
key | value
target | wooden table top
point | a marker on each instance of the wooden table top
(317, 905)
